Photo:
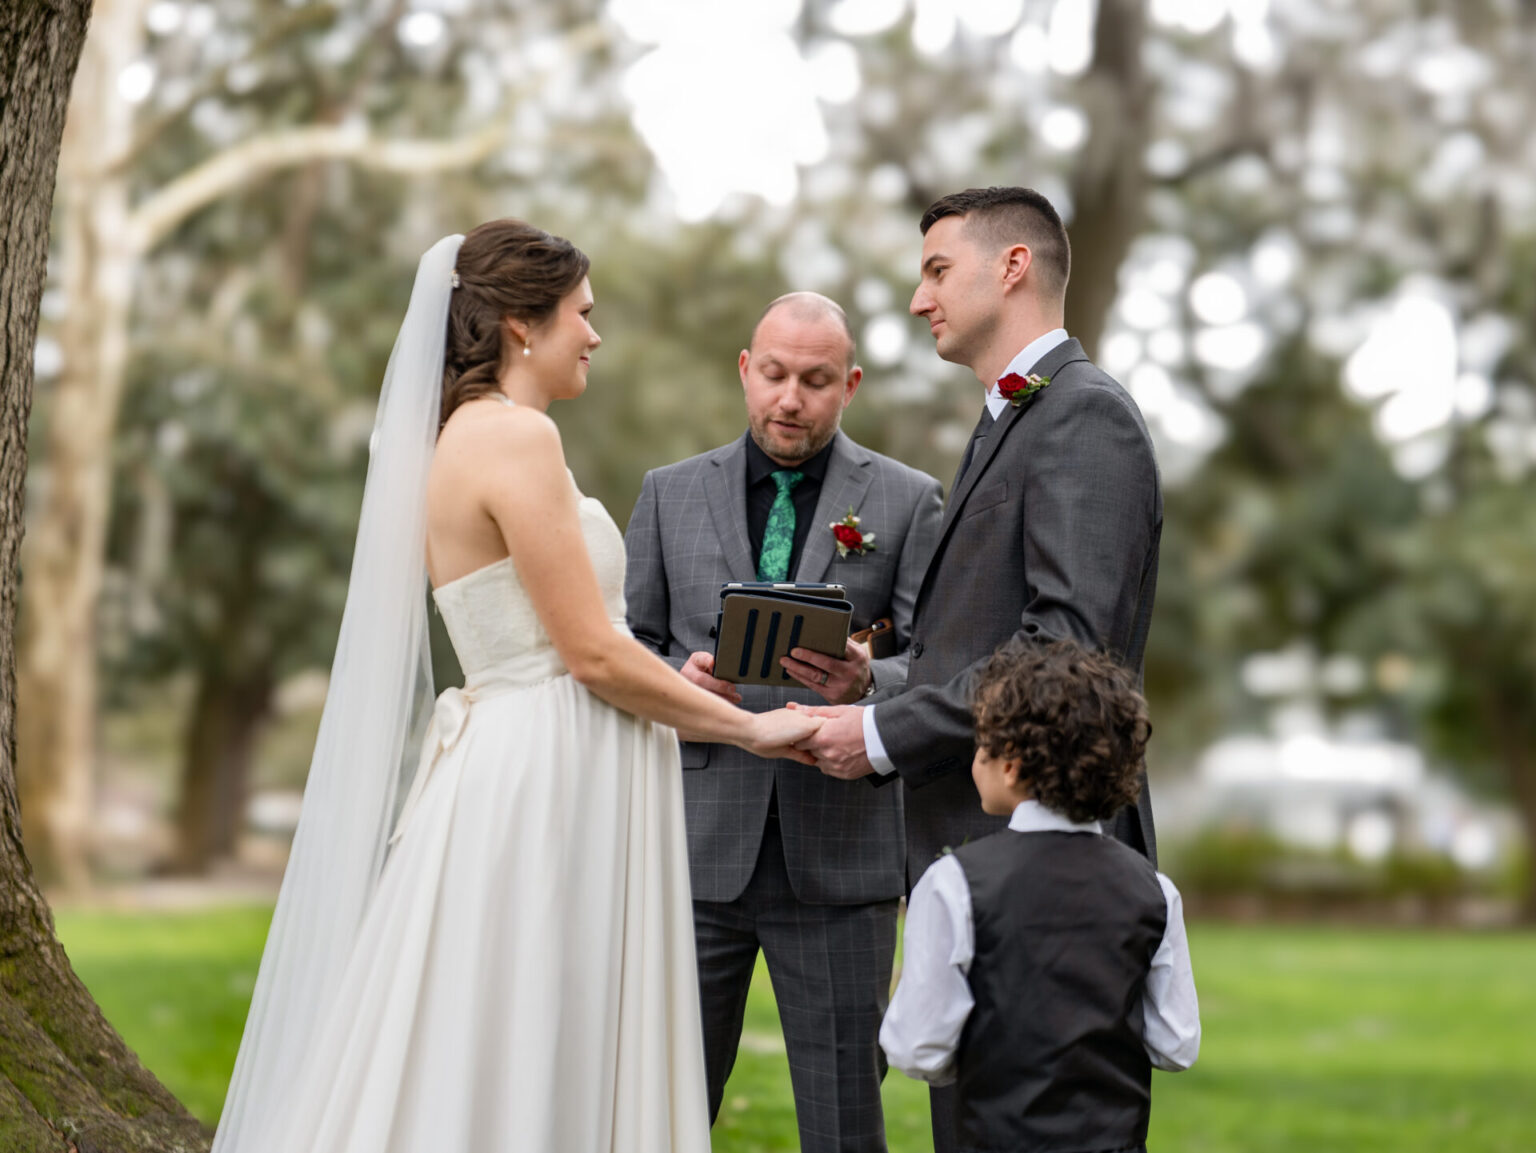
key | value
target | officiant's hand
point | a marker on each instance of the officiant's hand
(776, 733)
(700, 669)
(838, 682)
(838, 746)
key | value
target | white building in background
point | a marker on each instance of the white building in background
(1321, 792)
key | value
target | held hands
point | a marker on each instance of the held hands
(837, 748)
(776, 734)
(793, 733)
(838, 682)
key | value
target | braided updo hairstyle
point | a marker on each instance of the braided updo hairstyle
(506, 269)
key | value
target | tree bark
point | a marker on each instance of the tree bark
(1506, 712)
(1109, 183)
(67, 1081)
(221, 741)
(1522, 781)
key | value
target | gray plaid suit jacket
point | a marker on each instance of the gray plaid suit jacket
(1052, 533)
(843, 841)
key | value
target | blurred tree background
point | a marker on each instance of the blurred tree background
(1304, 236)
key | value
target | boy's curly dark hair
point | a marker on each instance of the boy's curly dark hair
(1072, 718)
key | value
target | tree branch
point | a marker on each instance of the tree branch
(261, 156)
(313, 18)
(1215, 158)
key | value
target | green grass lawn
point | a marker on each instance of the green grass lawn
(1316, 1039)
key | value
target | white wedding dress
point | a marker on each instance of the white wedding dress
(524, 978)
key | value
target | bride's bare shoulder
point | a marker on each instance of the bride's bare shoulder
(486, 432)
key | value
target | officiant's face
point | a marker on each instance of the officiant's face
(797, 379)
(960, 293)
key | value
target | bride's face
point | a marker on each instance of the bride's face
(563, 345)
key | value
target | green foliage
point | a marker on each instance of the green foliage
(264, 322)
(1232, 862)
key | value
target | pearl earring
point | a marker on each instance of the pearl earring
(527, 350)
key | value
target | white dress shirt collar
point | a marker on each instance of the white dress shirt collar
(1033, 817)
(1034, 352)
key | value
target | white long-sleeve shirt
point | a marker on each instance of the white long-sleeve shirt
(921, 1030)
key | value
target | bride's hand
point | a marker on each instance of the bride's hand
(775, 734)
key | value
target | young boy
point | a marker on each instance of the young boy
(1046, 968)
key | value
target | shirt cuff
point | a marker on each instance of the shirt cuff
(874, 748)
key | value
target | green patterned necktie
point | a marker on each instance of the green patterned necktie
(779, 532)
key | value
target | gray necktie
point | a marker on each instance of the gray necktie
(973, 446)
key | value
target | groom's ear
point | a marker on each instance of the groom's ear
(851, 385)
(1017, 260)
(741, 365)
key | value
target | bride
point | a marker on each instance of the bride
(508, 965)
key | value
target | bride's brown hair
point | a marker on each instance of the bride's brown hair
(506, 269)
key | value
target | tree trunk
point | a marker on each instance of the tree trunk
(1109, 183)
(1506, 712)
(104, 238)
(1522, 780)
(67, 1081)
(221, 740)
(65, 553)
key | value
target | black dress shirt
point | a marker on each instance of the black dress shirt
(761, 490)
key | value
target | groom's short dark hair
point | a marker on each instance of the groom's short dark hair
(1004, 216)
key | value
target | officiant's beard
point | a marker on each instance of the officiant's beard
(791, 452)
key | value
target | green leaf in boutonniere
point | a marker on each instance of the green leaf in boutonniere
(850, 538)
(1018, 390)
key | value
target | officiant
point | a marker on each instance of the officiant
(783, 859)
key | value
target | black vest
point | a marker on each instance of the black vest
(1051, 1057)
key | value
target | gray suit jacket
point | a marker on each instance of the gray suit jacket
(843, 841)
(1052, 533)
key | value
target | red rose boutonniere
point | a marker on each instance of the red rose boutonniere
(1016, 389)
(849, 538)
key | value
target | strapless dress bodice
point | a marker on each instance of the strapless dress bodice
(489, 616)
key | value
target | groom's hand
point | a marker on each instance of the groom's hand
(700, 669)
(838, 682)
(838, 745)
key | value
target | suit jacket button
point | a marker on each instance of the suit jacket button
(917, 649)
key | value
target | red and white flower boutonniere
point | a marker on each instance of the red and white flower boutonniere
(1016, 389)
(849, 538)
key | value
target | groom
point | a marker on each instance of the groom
(1051, 530)
(804, 867)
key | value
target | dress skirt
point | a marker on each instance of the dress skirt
(524, 980)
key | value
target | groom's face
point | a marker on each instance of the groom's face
(960, 293)
(797, 380)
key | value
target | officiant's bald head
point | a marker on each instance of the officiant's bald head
(808, 308)
(798, 375)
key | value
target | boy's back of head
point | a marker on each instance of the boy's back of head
(1071, 719)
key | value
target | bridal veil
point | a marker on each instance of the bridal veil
(380, 680)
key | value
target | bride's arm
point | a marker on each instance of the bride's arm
(522, 481)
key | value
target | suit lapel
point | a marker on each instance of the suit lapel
(847, 480)
(1048, 366)
(985, 451)
(725, 487)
